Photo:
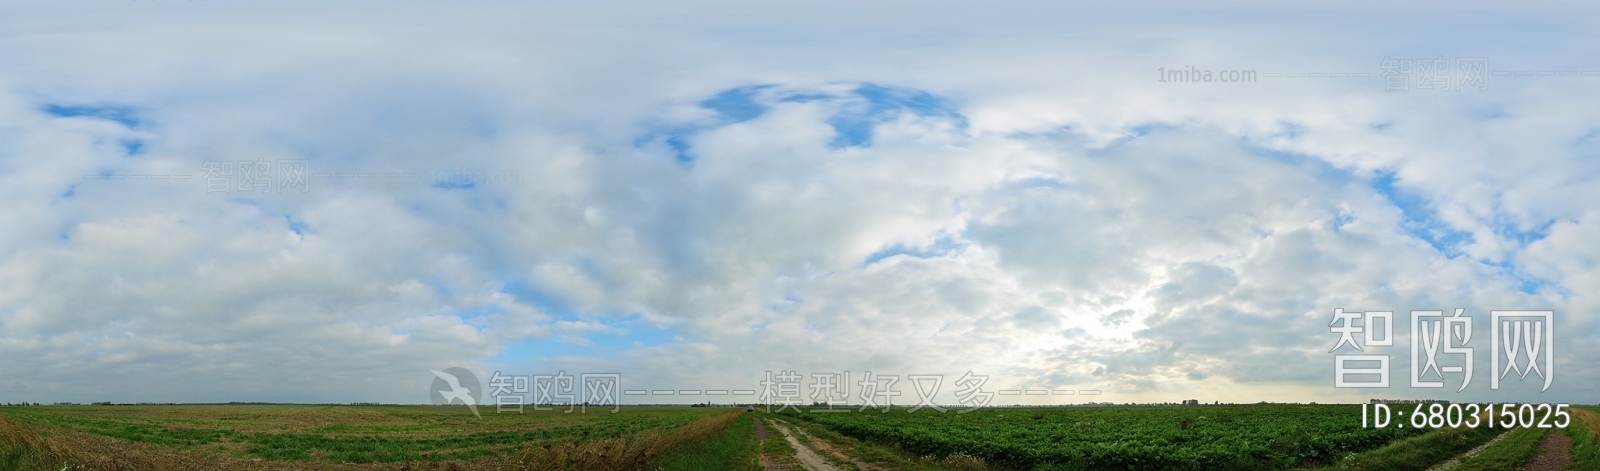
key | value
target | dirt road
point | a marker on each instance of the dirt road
(810, 458)
(1554, 453)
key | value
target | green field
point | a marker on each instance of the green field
(167, 436)
(1243, 437)
(1205, 437)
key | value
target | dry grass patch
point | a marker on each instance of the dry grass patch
(636, 451)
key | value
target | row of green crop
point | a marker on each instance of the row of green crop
(1217, 437)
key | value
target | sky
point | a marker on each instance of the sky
(292, 201)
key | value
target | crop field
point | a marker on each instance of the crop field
(1264, 437)
(1244, 437)
(1220, 437)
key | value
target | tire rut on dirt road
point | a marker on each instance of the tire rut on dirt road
(828, 449)
(809, 458)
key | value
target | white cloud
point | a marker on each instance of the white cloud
(1013, 193)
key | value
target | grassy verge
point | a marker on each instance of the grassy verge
(1419, 452)
(1508, 454)
(1585, 433)
(735, 448)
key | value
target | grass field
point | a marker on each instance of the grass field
(167, 437)
(735, 448)
(1263, 437)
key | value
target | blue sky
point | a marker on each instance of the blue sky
(235, 201)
